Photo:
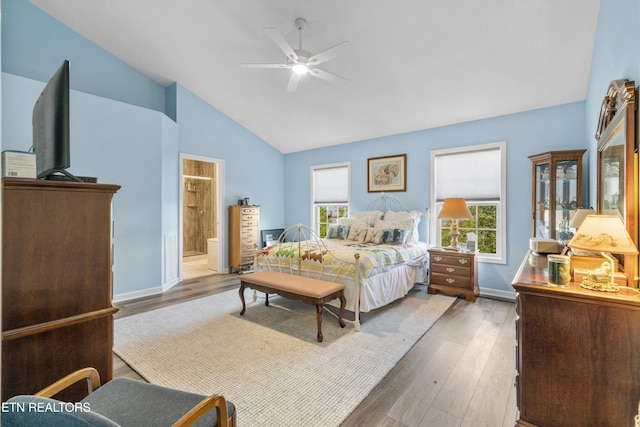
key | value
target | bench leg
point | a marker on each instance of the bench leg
(319, 310)
(241, 291)
(266, 299)
(343, 303)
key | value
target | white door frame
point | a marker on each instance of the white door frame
(221, 226)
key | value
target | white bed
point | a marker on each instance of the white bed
(375, 253)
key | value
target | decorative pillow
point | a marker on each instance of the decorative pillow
(352, 222)
(337, 231)
(389, 236)
(369, 216)
(358, 234)
(414, 216)
(403, 224)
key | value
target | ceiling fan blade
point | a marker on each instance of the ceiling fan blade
(281, 42)
(293, 82)
(327, 76)
(264, 66)
(330, 53)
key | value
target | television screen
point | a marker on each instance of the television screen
(51, 126)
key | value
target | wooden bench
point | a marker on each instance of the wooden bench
(306, 289)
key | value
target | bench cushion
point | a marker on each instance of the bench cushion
(301, 285)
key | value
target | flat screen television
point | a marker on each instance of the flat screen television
(51, 130)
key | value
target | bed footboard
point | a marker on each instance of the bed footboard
(300, 251)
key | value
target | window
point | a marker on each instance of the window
(329, 195)
(477, 174)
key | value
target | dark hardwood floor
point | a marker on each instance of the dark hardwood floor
(460, 373)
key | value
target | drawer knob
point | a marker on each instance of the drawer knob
(463, 261)
(451, 269)
(437, 258)
(450, 280)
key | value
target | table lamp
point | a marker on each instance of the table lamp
(576, 222)
(454, 208)
(579, 217)
(605, 234)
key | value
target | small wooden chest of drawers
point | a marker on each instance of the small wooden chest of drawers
(453, 273)
(243, 235)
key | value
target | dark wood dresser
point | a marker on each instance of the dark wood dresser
(453, 273)
(57, 314)
(577, 352)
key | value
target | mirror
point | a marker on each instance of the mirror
(617, 163)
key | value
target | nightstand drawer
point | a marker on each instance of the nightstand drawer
(451, 270)
(449, 280)
(445, 259)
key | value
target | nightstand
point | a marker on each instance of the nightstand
(453, 273)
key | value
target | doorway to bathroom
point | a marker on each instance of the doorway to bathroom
(200, 212)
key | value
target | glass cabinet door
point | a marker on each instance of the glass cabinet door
(557, 192)
(566, 197)
(542, 196)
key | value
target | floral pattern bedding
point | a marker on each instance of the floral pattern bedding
(338, 257)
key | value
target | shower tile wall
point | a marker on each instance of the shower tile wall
(199, 213)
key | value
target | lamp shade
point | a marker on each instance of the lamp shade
(579, 217)
(454, 208)
(604, 233)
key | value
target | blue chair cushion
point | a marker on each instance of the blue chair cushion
(35, 411)
(130, 402)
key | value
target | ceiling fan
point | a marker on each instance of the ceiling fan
(300, 61)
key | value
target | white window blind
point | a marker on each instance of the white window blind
(472, 175)
(331, 185)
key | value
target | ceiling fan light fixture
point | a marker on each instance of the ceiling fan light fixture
(300, 69)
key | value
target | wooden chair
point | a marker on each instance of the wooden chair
(120, 402)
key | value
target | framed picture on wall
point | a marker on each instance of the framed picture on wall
(387, 173)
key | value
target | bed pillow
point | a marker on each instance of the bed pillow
(369, 216)
(358, 234)
(338, 231)
(388, 236)
(414, 216)
(352, 222)
(406, 224)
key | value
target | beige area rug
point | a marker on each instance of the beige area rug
(268, 362)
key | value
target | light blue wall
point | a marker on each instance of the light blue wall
(253, 168)
(616, 55)
(119, 144)
(34, 45)
(526, 133)
(120, 134)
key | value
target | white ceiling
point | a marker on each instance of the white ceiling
(413, 64)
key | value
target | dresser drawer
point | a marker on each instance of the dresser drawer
(444, 259)
(249, 220)
(246, 259)
(249, 232)
(251, 210)
(449, 280)
(451, 270)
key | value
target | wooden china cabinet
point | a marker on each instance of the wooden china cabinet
(557, 192)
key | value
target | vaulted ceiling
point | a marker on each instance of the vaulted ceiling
(409, 64)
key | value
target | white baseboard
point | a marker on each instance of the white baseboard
(137, 294)
(498, 294)
(170, 284)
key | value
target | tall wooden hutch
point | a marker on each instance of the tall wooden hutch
(557, 192)
(57, 312)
